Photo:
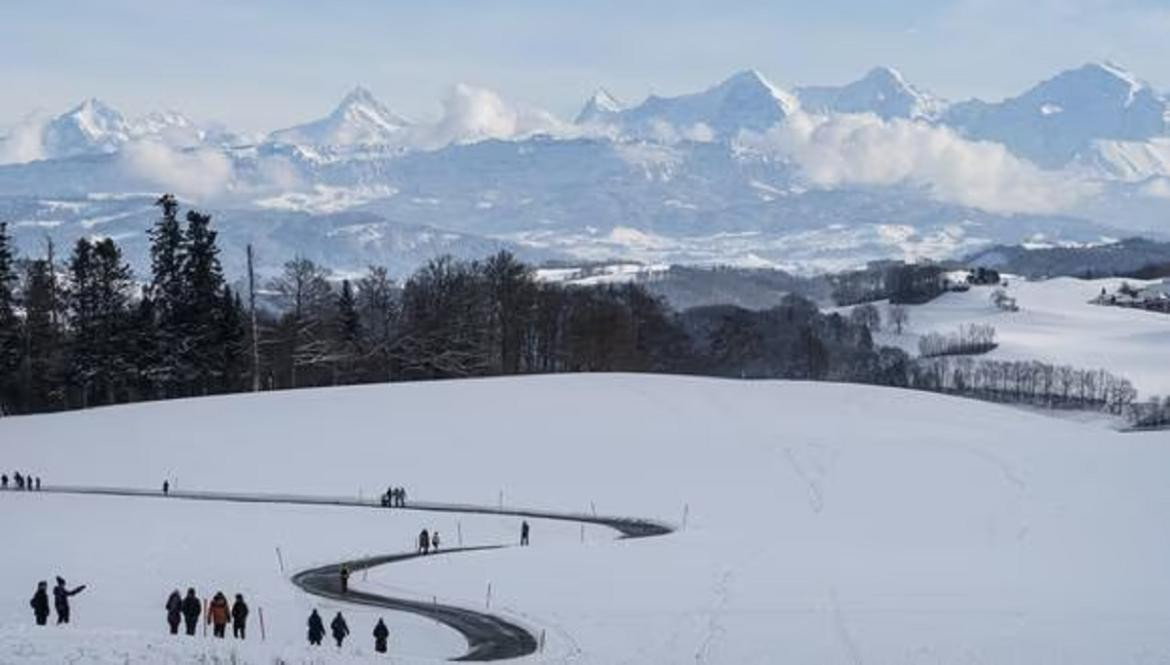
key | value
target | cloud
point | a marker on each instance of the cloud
(839, 150)
(1158, 188)
(474, 114)
(24, 142)
(199, 173)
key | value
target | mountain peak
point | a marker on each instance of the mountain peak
(883, 91)
(359, 119)
(600, 106)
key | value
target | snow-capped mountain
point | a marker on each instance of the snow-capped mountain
(599, 109)
(92, 127)
(359, 120)
(1062, 117)
(745, 101)
(882, 91)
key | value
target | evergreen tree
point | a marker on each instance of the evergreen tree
(43, 367)
(11, 352)
(349, 333)
(232, 342)
(99, 298)
(167, 294)
(203, 292)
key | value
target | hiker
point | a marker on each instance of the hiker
(381, 636)
(524, 534)
(18, 480)
(4, 481)
(218, 614)
(166, 487)
(38, 483)
(40, 603)
(435, 541)
(239, 617)
(174, 611)
(316, 629)
(401, 497)
(344, 579)
(424, 542)
(340, 629)
(61, 597)
(192, 608)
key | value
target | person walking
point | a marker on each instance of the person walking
(424, 542)
(340, 629)
(218, 614)
(166, 487)
(344, 574)
(4, 481)
(381, 636)
(239, 617)
(174, 611)
(40, 603)
(524, 534)
(192, 608)
(61, 596)
(316, 629)
(435, 541)
(38, 483)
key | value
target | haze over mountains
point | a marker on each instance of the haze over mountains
(744, 172)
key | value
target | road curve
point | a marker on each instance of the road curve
(489, 637)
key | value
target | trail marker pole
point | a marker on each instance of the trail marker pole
(593, 508)
(542, 641)
(206, 618)
(263, 635)
(488, 604)
(280, 560)
(459, 530)
(686, 514)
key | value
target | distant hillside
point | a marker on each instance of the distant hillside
(1126, 257)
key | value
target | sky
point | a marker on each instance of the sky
(266, 64)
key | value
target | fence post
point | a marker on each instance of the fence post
(280, 560)
(488, 604)
(459, 529)
(263, 635)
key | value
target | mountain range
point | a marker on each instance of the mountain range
(742, 172)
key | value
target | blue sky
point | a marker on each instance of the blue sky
(263, 64)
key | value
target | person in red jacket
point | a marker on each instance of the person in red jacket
(218, 614)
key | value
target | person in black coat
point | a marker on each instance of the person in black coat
(340, 629)
(192, 608)
(239, 617)
(40, 603)
(524, 533)
(4, 481)
(174, 611)
(381, 636)
(344, 574)
(61, 596)
(316, 629)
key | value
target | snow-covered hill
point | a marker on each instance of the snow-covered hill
(826, 523)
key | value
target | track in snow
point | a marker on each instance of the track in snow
(489, 637)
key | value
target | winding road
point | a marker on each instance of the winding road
(489, 637)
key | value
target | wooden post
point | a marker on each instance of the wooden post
(263, 636)
(593, 508)
(280, 559)
(488, 604)
(542, 641)
(459, 530)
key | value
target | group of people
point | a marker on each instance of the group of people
(395, 497)
(21, 482)
(428, 542)
(340, 630)
(61, 596)
(187, 609)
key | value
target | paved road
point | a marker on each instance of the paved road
(489, 637)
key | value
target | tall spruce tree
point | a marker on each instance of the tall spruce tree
(167, 293)
(11, 351)
(203, 290)
(43, 366)
(349, 334)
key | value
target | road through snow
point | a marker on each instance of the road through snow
(489, 637)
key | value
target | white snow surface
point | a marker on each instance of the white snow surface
(824, 523)
(1057, 324)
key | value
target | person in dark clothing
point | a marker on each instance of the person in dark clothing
(38, 483)
(344, 579)
(174, 611)
(40, 603)
(4, 481)
(192, 608)
(239, 617)
(18, 480)
(435, 541)
(381, 636)
(61, 596)
(340, 629)
(401, 497)
(424, 542)
(166, 487)
(524, 534)
(218, 614)
(316, 629)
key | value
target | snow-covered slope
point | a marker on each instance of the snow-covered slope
(1058, 118)
(359, 120)
(1057, 324)
(882, 91)
(821, 523)
(746, 100)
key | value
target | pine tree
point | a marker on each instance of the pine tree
(99, 298)
(11, 352)
(203, 290)
(43, 365)
(349, 333)
(232, 342)
(167, 295)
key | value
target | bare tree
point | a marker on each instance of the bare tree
(898, 317)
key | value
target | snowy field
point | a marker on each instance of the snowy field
(1056, 324)
(821, 523)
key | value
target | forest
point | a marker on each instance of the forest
(85, 330)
